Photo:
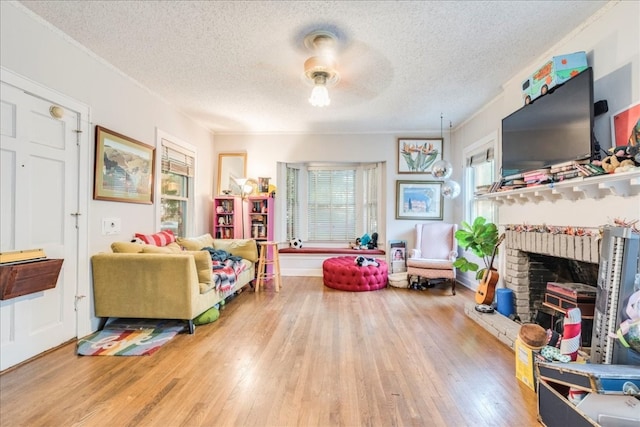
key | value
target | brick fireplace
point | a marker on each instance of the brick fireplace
(535, 258)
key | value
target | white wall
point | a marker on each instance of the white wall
(33, 49)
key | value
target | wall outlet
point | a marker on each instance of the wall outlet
(110, 226)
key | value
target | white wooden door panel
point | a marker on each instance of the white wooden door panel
(39, 175)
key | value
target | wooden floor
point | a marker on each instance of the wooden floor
(307, 356)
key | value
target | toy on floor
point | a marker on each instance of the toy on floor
(365, 262)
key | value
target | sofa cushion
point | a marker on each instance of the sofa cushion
(196, 243)
(244, 248)
(203, 266)
(163, 238)
(171, 248)
(127, 247)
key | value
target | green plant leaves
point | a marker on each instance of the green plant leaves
(480, 238)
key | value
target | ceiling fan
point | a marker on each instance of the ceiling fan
(320, 69)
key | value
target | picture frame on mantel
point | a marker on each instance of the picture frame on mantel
(417, 155)
(124, 168)
(419, 200)
(625, 126)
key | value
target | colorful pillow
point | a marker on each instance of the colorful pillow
(162, 238)
(196, 243)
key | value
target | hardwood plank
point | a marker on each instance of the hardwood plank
(307, 356)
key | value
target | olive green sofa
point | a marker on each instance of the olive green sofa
(171, 282)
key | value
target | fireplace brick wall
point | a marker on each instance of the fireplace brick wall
(520, 268)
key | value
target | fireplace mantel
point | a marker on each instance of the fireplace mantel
(625, 184)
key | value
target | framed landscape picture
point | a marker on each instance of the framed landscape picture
(417, 155)
(123, 168)
(419, 200)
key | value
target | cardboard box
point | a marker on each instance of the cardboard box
(555, 380)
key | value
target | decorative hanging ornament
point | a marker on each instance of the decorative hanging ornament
(441, 170)
(450, 189)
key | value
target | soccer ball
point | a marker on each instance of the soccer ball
(295, 243)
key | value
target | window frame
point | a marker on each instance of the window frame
(190, 216)
(365, 219)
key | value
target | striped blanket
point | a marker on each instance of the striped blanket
(225, 273)
(226, 268)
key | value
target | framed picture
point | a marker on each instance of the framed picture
(419, 200)
(625, 126)
(123, 168)
(417, 155)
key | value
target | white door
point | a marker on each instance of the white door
(39, 200)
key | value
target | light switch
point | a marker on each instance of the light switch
(110, 226)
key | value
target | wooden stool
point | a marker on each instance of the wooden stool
(268, 257)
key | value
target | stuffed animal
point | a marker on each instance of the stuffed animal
(365, 262)
(373, 243)
(356, 244)
(629, 331)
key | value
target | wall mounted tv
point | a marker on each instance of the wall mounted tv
(555, 128)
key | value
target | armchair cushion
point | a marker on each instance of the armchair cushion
(429, 263)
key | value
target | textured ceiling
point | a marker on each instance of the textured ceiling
(237, 66)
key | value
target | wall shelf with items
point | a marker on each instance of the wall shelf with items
(624, 184)
(227, 217)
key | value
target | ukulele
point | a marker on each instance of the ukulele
(487, 287)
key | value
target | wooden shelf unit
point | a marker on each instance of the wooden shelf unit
(227, 217)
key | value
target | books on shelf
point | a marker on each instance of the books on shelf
(568, 165)
(21, 256)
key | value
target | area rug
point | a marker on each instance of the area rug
(129, 337)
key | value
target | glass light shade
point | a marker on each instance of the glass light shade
(450, 189)
(441, 170)
(319, 96)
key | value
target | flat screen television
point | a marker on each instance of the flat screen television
(555, 128)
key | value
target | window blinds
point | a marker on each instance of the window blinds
(332, 204)
(177, 159)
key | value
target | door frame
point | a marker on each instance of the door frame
(83, 302)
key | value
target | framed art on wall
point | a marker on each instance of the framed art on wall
(123, 168)
(625, 126)
(419, 200)
(416, 155)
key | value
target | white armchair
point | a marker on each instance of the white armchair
(435, 252)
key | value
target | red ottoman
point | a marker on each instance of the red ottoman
(343, 273)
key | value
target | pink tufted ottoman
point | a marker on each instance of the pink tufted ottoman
(343, 273)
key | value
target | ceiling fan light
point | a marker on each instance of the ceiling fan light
(319, 95)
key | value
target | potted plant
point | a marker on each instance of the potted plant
(481, 238)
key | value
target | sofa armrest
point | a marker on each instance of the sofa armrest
(145, 285)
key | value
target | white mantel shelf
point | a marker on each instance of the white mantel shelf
(623, 184)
